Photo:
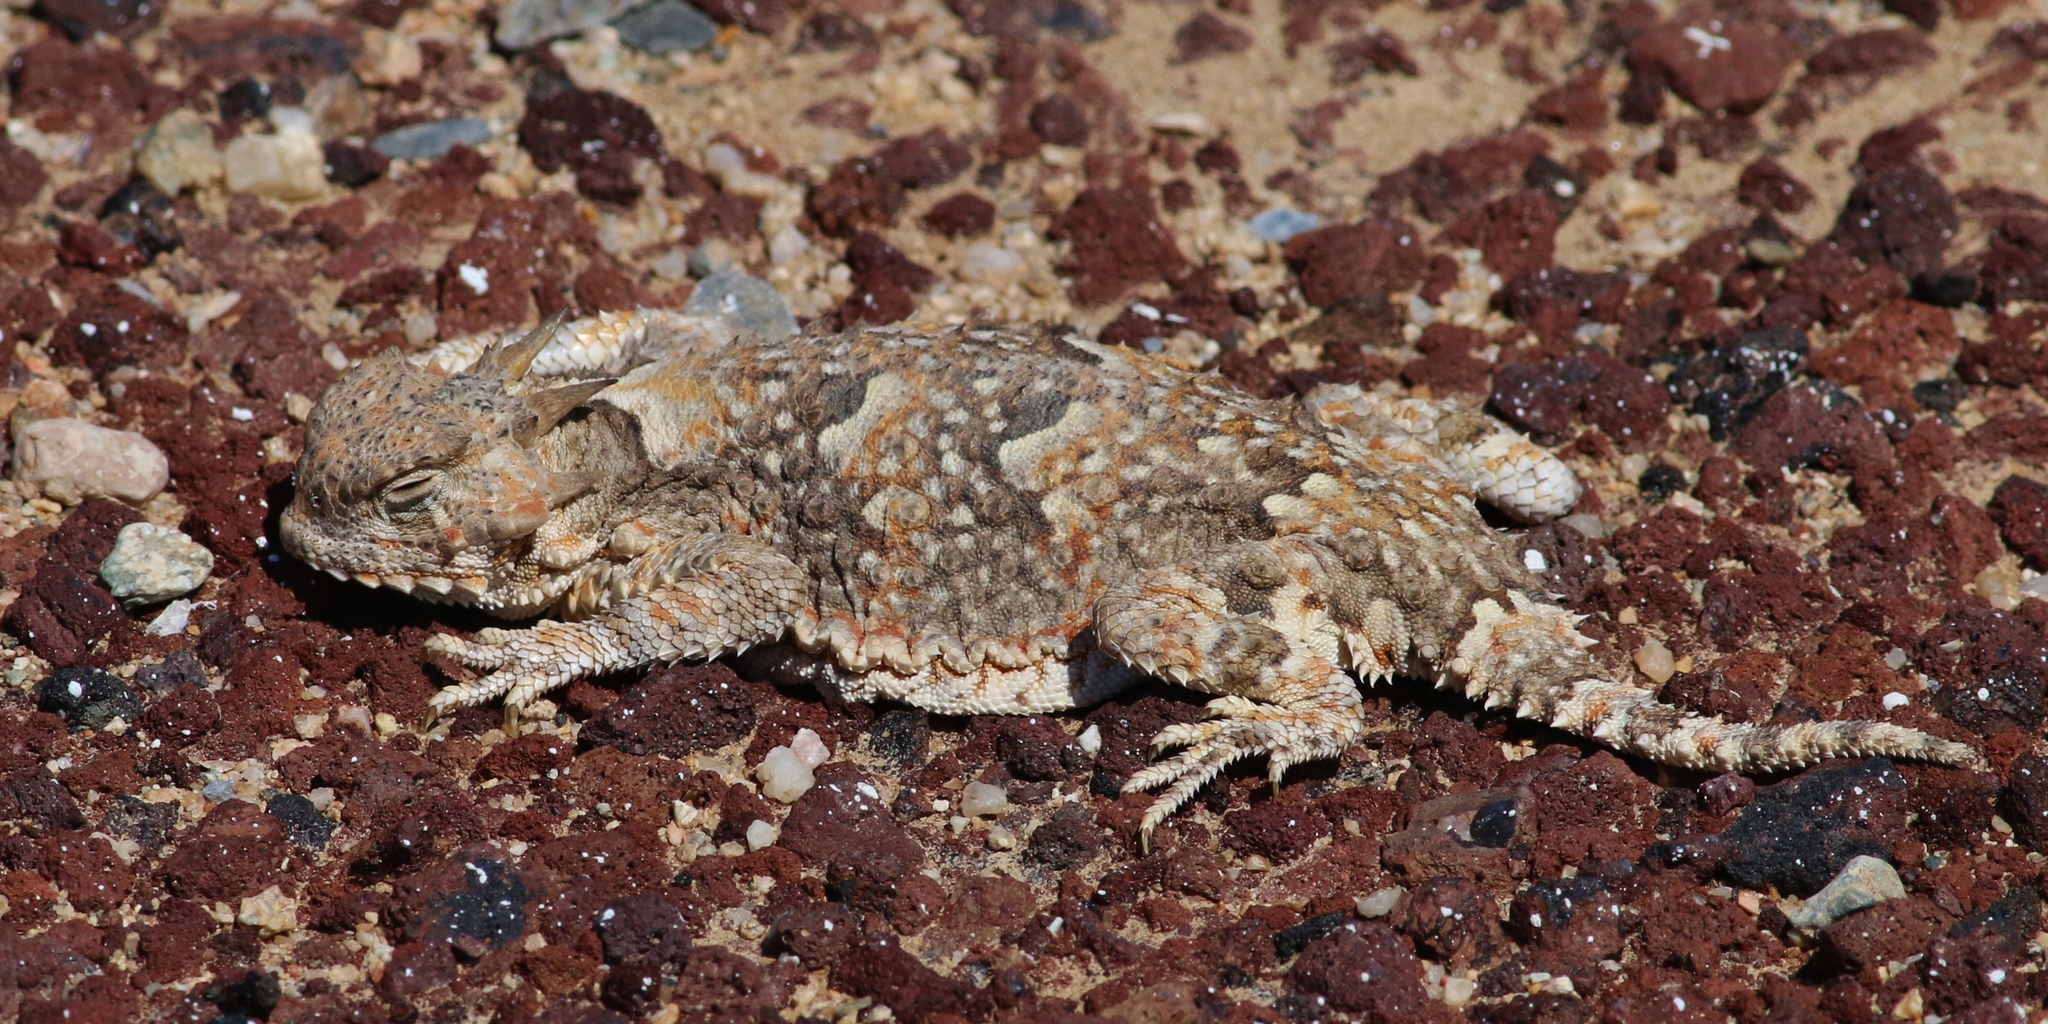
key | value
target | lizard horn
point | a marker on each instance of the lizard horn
(510, 358)
(550, 406)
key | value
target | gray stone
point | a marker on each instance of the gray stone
(152, 564)
(1380, 903)
(666, 26)
(72, 460)
(1863, 882)
(748, 304)
(710, 257)
(172, 620)
(177, 152)
(526, 23)
(287, 164)
(1280, 224)
(87, 698)
(431, 140)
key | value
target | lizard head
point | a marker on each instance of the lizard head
(432, 482)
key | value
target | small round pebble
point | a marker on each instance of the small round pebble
(1459, 991)
(1654, 660)
(1280, 224)
(1090, 740)
(152, 564)
(1724, 793)
(431, 140)
(761, 834)
(748, 304)
(981, 800)
(784, 776)
(270, 912)
(387, 59)
(810, 748)
(1380, 903)
(177, 153)
(788, 244)
(288, 165)
(1999, 585)
(666, 26)
(983, 263)
(525, 23)
(1865, 881)
(70, 458)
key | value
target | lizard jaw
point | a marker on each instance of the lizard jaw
(512, 602)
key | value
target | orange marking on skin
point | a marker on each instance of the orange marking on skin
(1080, 541)
(531, 505)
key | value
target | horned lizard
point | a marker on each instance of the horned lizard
(974, 521)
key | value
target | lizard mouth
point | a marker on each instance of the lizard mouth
(511, 600)
(504, 583)
(467, 590)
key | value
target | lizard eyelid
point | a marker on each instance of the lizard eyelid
(411, 488)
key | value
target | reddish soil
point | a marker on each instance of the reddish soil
(1772, 276)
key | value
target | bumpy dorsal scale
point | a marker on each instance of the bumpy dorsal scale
(975, 521)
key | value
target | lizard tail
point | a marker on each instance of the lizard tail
(1634, 720)
(1532, 657)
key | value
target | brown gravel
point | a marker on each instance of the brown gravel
(1773, 276)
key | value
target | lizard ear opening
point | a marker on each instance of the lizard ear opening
(508, 360)
(550, 406)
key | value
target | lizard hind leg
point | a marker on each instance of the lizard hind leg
(1253, 628)
(1532, 658)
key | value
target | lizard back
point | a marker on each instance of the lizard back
(978, 489)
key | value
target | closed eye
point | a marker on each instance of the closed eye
(410, 489)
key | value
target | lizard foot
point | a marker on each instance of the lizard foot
(1235, 729)
(521, 664)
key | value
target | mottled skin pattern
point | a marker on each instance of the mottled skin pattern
(971, 521)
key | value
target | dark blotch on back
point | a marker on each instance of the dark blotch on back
(840, 397)
(1032, 412)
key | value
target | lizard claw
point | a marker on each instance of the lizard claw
(1238, 728)
(518, 664)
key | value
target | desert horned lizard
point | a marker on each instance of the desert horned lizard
(974, 521)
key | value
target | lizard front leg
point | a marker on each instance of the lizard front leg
(698, 599)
